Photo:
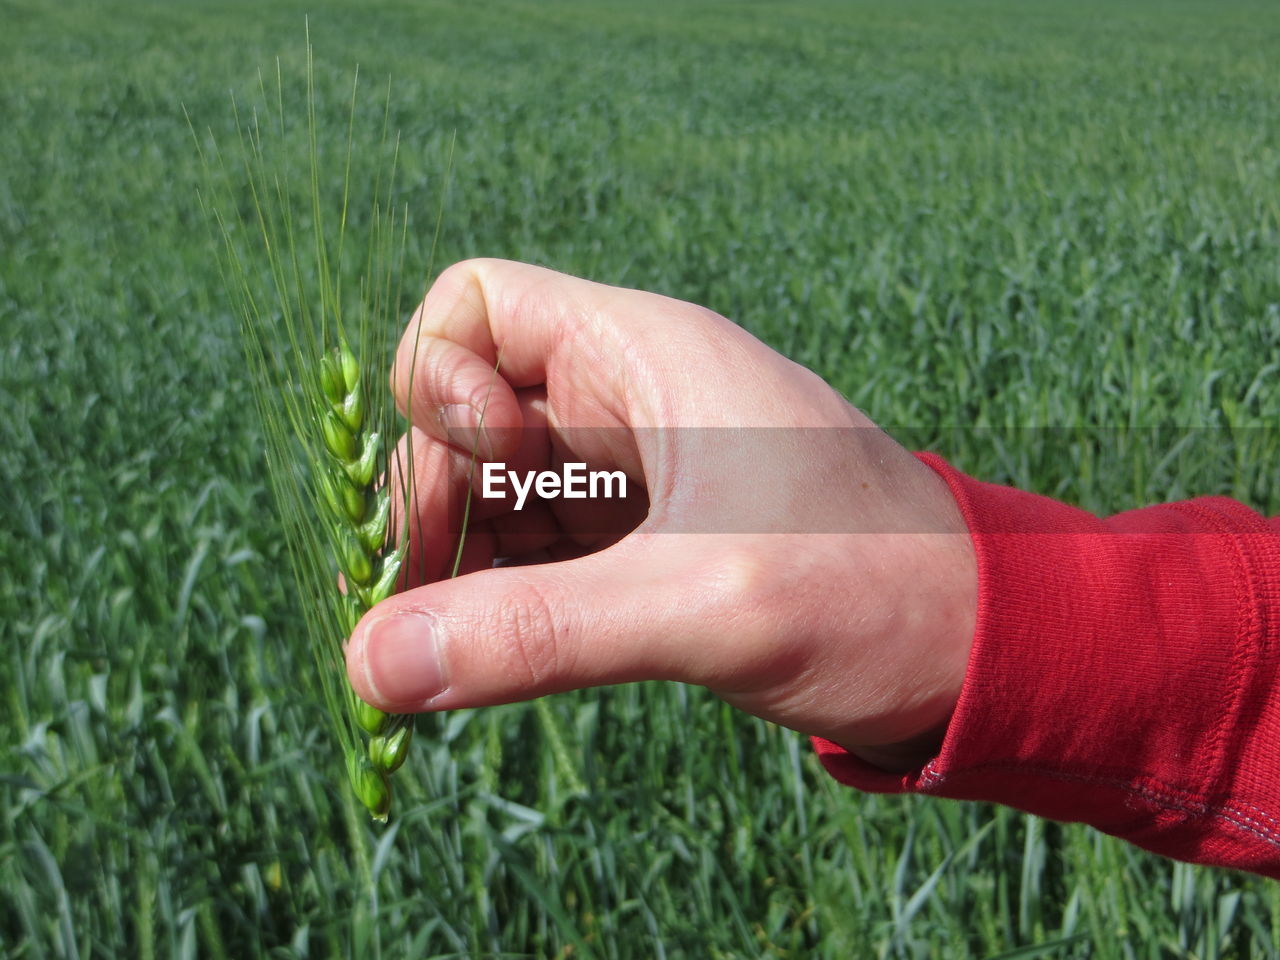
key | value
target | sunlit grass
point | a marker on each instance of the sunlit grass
(974, 220)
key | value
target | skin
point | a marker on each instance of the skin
(821, 578)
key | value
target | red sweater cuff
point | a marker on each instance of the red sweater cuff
(1124, 673)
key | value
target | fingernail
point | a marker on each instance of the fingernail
(402, 659)
(461, 422)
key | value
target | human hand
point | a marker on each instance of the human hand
(744, 564)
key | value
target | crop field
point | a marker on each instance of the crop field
(1042, 239)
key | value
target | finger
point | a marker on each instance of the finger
(440, 474)
(453, 395)
(645, 609)
(531, 322)
(519, 533)
(507, 538)
(499, 306)
(598, 522)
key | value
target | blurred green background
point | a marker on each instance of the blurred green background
(995, 215)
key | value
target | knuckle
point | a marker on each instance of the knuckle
(439, 364)
(458, 274)
(528, 631)
(459, 289)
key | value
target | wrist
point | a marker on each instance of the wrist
(937, 609)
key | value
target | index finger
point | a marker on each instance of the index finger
(450, 347)
(484, 314)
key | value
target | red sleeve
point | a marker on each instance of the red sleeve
(1125, 673)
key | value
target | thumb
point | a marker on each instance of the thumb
(516, 633)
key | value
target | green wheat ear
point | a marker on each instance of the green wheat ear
(356, 515)
(285, 258)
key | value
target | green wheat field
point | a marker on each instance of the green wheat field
(1040, 238)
